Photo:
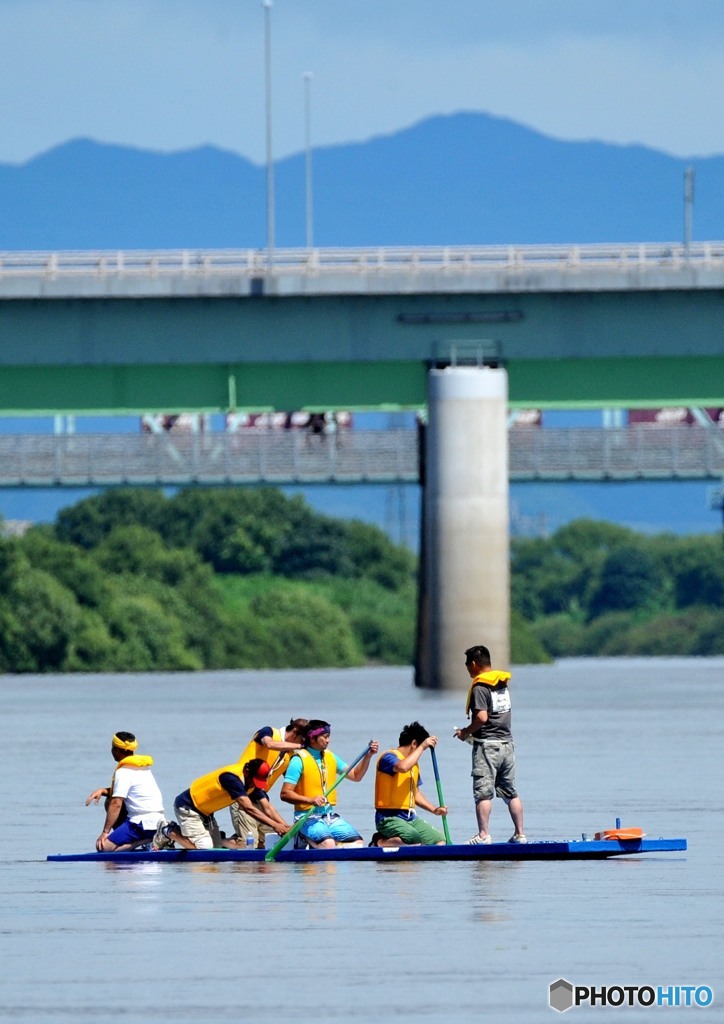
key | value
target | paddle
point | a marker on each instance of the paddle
(440, 798)
(271, 855)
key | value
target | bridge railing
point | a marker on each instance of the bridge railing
(278, 457)
(318, 262)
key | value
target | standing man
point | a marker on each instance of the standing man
(488, 706)
(309, 778)
(196, 828)
(397, 793)
(134, 805)
(275, 747)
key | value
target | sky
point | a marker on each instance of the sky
(170, 75)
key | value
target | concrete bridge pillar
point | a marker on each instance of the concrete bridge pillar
(464, 551)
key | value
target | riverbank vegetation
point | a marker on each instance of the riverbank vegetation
(595, 589)
(132, 580)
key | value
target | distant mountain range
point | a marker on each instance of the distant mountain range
(464, 179)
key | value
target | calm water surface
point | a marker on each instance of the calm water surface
(642, 740)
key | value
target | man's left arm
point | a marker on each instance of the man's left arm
(422, 801)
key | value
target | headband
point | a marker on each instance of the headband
(319, 731)
(124, 744)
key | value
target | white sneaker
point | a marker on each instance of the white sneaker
(479, 840)
(519, 837)
(162, 840)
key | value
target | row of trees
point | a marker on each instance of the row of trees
(598, 589)
(132, 580)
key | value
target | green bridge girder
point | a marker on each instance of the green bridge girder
(208, 353)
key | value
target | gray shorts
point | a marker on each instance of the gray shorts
(493, 770)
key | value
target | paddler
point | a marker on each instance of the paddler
(275, 747)
(310, 776)
(133, 801)
(397, 793)
(196, 827)
(488, 706)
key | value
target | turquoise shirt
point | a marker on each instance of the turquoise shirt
(294, 773)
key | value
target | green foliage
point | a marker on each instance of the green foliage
(373, 556)
(303, 629)
(525, 647)
(140, 551)
(90, 520)
(695, 631)
(383, 620)
(698, 571)
(72, 566)
(148, 636)
(131, 580)
(11, 564)
(560, 636)
(92, 648)
(630, 578)
(37, 622)
(594, 589)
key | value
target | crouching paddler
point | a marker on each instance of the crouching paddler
(196, 828)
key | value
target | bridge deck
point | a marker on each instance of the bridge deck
(278, 457)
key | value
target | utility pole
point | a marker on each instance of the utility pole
(688, 206)
(309, 187)
(267, 5)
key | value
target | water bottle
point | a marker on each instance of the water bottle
(249, 841)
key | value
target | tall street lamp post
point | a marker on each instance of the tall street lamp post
(267, 5)
(308, 158)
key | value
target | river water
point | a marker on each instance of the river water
(642, 740)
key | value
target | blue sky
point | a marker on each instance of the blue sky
(173, 74)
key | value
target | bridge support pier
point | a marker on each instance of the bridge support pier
(464, 551)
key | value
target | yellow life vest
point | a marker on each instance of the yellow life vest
(132, 761)
(397, 791)
(207, 792)
(317, 777)
(491, 678)
(276, 759)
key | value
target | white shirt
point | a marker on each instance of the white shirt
(138, 788)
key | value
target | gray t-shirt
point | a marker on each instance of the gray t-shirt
(496, 701)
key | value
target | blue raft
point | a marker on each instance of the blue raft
(578, 849)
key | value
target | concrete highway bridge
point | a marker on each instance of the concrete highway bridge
(466, 333)
(190, 331)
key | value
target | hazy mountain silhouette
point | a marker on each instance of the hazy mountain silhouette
(463, 179)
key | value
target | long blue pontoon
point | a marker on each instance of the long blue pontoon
(578, 849)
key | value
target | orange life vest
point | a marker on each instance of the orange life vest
(397, 791)
(317, 777)
(207, 792)
(276, 759)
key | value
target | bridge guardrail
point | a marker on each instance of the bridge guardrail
(381, 260)
(278, 457)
